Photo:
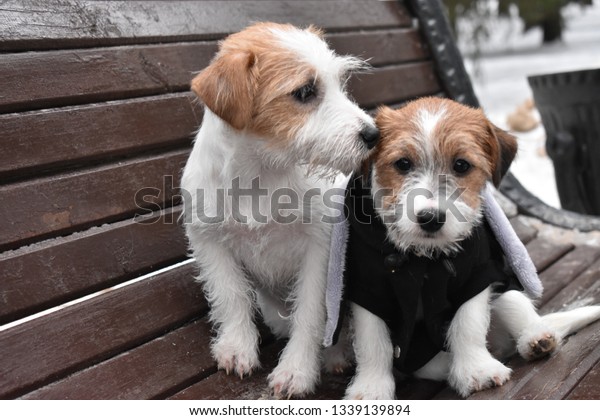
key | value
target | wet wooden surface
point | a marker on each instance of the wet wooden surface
(95, 106)
(51, 24)
(129, 343)
(56, 271)
(555, 377)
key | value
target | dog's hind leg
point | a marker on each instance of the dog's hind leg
(516, 314)
(374, 378)
(569, 322)
(537, 336)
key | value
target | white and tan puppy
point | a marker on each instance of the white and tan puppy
(429, 150)
(277, 122)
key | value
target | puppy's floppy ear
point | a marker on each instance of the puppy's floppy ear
(506, 149)
(316, 30)
(227, 87)
(385, 117)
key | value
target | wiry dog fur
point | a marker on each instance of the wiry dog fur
(433, 135)
(277, 112)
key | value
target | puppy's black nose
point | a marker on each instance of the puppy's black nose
(370, 135)
(431, 220)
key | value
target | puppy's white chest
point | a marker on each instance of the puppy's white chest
(271, 253)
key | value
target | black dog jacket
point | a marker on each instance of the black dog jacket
(417, 297)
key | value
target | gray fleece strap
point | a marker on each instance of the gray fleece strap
(335, 274)
(517, 256)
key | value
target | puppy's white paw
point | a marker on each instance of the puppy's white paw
(289, 382)
(336, 360)
(536, 342)
(371, 387)
(236, 356)
(468, 377)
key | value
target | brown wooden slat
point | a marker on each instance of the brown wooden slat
(578, 290)
(589, 387)
(525, 232)
(575, 358)
(394, 84)
(54, 139)
(44, 24)
(544, 253)
(381, 47)
(66, 136)
(332, 387)
(417, 389)
(570, 266)
(58, 78)
(49, 348)
(565, 369)
(156, 369)
(151, 370)
(77, 200)
(221, 386)
(56, 271)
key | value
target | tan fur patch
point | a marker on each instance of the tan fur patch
(317, 31)
(395, 142)
(277, 115)
(258, 99)
(226, 90)
(460, 133)
(463, 134)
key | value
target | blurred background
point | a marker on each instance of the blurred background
(503, 42)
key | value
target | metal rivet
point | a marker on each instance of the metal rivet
(393, 261)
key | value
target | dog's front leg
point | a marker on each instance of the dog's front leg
(227, 290)
(374, 379)
(299, 366)
(472, 367)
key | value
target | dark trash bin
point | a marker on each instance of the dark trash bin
(569, 104)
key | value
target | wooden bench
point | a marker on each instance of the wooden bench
(96, 303)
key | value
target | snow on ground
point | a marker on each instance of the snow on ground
(500, 81)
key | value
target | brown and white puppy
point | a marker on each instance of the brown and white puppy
(277, 123)
(436, 147)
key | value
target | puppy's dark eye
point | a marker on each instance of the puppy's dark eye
(404, 165)
(461, 166)
(305, 93)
